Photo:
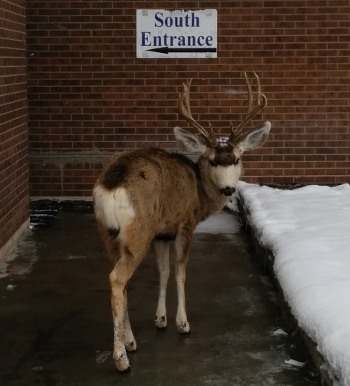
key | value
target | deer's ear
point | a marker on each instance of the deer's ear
(254, 138)
(189, 141)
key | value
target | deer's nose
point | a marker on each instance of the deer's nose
(227, 191)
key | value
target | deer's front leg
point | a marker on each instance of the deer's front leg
(182, 246)
(161, 249)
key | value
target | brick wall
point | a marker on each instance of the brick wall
(90, 96)
(14, 198)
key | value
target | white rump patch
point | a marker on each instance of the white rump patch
(113, 208)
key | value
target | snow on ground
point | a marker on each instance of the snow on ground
(221, 222)
(308, 231)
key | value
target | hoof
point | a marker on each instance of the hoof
(160, 322)
(183, 328)
(127, 370)
(121, 361)
(123, 367)
(184, 332)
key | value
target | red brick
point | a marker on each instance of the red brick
(14, 198)
(88, 92)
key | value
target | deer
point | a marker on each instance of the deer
(137, 207)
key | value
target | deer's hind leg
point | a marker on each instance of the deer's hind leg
(129, 340)
(133, 248)
(113, 245)
(161, 249)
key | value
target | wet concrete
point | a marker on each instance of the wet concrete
(56, 326)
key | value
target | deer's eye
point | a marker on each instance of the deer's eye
(212, 163)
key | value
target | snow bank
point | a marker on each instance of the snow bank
(308, 231)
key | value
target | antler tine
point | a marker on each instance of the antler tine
(185, 111)
(261, 103)
(250, 94)
(259, 94)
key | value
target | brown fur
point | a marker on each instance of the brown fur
(169, 183)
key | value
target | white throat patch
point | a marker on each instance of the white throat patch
(224, 176)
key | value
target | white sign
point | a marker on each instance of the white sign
(176, 33)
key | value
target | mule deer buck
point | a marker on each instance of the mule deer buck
(136, 204)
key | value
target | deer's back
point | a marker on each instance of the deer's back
(161, 188)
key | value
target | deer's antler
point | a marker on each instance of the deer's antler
(185, 111)
(252, 112)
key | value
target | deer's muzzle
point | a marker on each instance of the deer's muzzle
(227, 191)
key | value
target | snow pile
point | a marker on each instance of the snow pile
(308, 231)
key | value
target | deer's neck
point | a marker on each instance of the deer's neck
(211, 200)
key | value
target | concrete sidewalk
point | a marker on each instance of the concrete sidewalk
(56, 327)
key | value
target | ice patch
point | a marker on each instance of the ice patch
(279, 332)
(272, 362)
(22, 259)
(266, 281)
(294, 363)
(251, 299)
(38, 368)
(213, 380)
(102, 356)
(73, 257)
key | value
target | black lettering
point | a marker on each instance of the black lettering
(168, 21)
(181, 41)
(157, 41)
(191, 41)
(209, 40)
(195, 20)
(201, 40)
(178, 21)
(145, 39)
(159, 19)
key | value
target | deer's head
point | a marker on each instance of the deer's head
(220, 158)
